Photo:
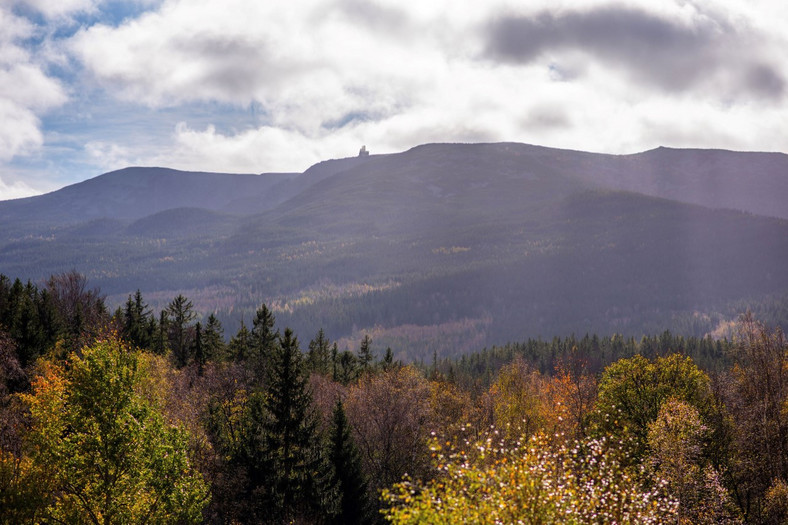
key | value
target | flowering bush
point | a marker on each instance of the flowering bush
(535, 481)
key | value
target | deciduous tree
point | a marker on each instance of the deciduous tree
(110, 454)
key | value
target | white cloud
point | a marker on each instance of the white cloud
(330, 75)
(16, 190)
(108, 156)
(25, 89)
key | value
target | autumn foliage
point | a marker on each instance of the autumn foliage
(157, 418)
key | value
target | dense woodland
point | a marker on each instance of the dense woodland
(444, 248)
(137, 416)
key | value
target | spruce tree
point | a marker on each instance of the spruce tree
(180, 314)
(353, 504)
(298, 474)
(240, 346)
(388, 360)
(318, 356)
(136, 322)
(263, 331)
(213, 339)
(365, 354)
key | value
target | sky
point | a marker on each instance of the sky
(250, 86)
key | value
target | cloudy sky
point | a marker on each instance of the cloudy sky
(88, 86)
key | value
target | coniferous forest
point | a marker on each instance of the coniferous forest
(143, 416)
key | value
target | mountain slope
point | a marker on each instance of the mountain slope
(133, 193)
(747, 181)
(480, 242)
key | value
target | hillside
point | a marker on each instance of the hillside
(443, 247)
(134, 193)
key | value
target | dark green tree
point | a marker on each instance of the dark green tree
(263, 339)
(180, 313)
(26, 329)
(240, 347)
(388, 359)
(136, 322)
(346, 368)
(290, 469)
(365, 357)
(318, 358)
(354, 507)
(213, 340)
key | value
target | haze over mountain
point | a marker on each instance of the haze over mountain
(444, 247)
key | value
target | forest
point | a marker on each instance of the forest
(444, 248)
(139, 416)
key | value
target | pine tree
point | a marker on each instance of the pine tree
(136, 323)
(240, 346)
(264, 334)
(388, 360)
(347, 369)
(180, 314)
(353, 504)
(298, 474)
(213, 340)
(318, 356)
(365, 354)
(334, 363)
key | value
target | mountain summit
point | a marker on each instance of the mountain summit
(483, 243)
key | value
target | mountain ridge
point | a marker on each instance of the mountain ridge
(507, 239)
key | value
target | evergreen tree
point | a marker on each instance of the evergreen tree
(365, 354)
(213, 340)
(263, 338)
(335, 363)
(346, 368)
(298, 475)
(353, 504)
(136, 322)
(318, 356)
(180, 314)
(241, 344)
(26, 329)
(388, 360)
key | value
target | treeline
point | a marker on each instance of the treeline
(481, 368)
(135, 416)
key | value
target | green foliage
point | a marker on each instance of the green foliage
(354, 508)
(265, 336)
(319, 355)
(631, 392)
(138, 323)
(280, 444)
(108, 451)
(365, 357)
(533, 482)
(675, 442)
(180, 313)
(241, 344)
(213, 340)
